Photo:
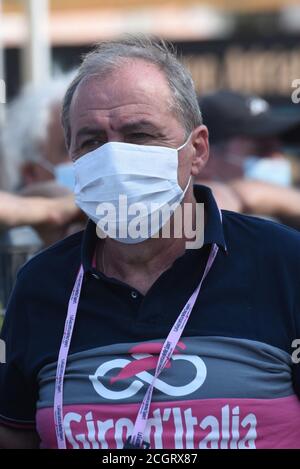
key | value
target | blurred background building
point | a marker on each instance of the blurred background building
(251, 45)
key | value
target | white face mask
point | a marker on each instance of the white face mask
(143, 175)
(273, 170)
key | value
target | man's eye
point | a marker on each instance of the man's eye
(141, 136)
(91, 143)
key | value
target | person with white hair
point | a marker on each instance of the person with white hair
(150, 329)
(36, 178)
(35, 162)
(32, 140)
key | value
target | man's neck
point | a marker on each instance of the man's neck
(140, 265)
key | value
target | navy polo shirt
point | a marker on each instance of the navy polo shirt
(231, 383)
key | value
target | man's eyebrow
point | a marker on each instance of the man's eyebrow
(138, 125)
(88, 131)
(145, 125)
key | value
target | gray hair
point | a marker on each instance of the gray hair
(109, 55)
(26, 125)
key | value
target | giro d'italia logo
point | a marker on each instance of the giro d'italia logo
(134, 372)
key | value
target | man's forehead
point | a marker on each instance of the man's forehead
(136, 82)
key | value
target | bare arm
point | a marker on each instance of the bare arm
(11, 438)
(34, 211)
(263, 198)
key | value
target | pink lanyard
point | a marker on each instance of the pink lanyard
(136, 440)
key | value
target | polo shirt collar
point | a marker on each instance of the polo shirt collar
(213, 232)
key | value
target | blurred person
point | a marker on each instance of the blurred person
(33, 143)
(37, 211)
(108, 320)
(26, 226)
(246, 138)
(248, 167)
(36, 164)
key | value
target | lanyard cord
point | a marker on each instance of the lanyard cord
(166, 353)
(62, 360)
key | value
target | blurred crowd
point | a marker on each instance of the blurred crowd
(254, 164)
(254, 168)
(36, 179)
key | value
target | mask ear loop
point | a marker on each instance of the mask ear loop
(188, 183)
(185, 143)
(186, 188)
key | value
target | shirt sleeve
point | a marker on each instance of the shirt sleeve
(17, 388)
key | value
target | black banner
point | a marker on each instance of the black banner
(148, 458)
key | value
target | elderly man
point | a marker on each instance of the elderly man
(34, 163)
(132, 339)
(33, 148)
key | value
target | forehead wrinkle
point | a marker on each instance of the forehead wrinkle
(115, 110)
(118, 119)
(144, 88)
(145, 97)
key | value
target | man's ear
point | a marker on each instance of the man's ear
(201, 149)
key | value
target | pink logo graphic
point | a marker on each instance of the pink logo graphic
(135, 373)
(144, 364)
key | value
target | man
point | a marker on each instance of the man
(33, 148)
(243, 127)
(224, 377)
(35, 163)
(248, 169)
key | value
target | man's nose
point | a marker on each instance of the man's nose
(114, 136)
